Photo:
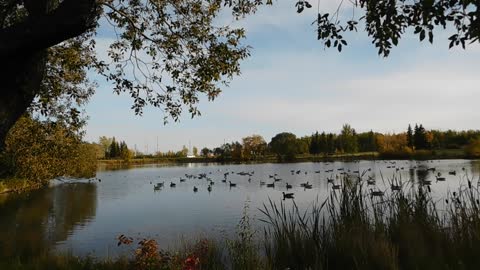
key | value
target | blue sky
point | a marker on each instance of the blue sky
(291, 83)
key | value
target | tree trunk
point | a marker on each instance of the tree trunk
(23, 51)
(20, 81)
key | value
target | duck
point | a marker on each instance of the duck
(289, 186)
(287, 195)
(195, 189)
(440, 178)
(182, 179)
(172, 184)
(272, 185)
(262, 183)
(209, 188)
(232, 184)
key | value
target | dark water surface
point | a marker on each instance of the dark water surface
(85, 217)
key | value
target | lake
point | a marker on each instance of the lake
(85, 216)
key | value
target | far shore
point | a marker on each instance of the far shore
(420, 155)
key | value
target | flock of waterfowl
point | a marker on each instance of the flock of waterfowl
(334, 178)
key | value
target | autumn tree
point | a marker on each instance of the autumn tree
(105, 142)
(348, 139)
(473, 148)
(254, 146)
(42, 150)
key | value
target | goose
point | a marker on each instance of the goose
(195, 189)
(156, 188)
(287, 195)
(426, 182)
(336, 186)
(289, 186)
(329, 180)
(172, 184)
(452, 172)
(396, 187)
(224, 180)
(272, 185)
(377, 193)
(209, 188)
(277, 179)
(232, 184)
(304, 184)
(308, 186)
(440, 178)
(182, 179)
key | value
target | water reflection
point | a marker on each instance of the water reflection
(87, 217)
(33, 223)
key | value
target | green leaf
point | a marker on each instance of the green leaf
(422, 35)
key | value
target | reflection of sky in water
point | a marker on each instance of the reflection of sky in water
(127, 204)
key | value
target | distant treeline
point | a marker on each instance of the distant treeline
(416, 141)
(286, 145)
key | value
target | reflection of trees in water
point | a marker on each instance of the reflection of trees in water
(32, 223)
(475, 167)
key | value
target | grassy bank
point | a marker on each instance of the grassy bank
(353, 229)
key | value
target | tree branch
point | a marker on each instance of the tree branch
(71, 19)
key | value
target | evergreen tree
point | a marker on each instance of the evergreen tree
(331, 143)
(113, 149)
(323, 144)
(410, 140)
(314, 148)
(420, 138)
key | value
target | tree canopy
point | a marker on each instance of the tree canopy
(169, 54)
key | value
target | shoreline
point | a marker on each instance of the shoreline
(423, 155)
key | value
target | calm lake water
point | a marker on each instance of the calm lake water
(85, 217)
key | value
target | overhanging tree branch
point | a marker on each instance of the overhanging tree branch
(70, 19)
